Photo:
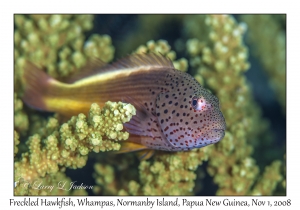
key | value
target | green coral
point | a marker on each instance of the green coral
(268, 181)
(21, 123)
(270, 51)
(52, 184)
(57, 43)
(220, 62)
(162, 47)
(69, 144)
(16, 142)
(215, 55)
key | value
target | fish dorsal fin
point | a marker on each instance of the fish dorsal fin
(143, 60)
(134, 61)
(92, 67)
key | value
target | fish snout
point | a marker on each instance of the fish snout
(215, 135)
(220, 123)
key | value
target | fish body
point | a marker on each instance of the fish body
(174, 112)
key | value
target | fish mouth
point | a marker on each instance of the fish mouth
(215, 135)
(211, 137)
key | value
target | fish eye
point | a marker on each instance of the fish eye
(200, 104)
(194, 102)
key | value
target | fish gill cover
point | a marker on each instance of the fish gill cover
(249, 82)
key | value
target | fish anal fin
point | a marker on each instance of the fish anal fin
(142, 151)
(128, 146)
(145, 154)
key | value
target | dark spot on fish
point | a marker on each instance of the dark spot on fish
(170, 102)
(181, 106)
(176, 104)
(166, 111)
(162, 121)
(173, 111)
(153, 92)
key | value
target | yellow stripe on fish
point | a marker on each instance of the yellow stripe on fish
(174, 112)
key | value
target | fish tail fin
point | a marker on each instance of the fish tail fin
(38, 86)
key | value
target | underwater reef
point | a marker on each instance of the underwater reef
(241, 59)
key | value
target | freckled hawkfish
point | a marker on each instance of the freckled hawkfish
(173, 111)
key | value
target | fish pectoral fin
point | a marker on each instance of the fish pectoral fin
(145, 154)
(138, 124)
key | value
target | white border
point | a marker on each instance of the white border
(8, 8)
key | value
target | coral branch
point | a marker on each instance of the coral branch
(70, 145)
